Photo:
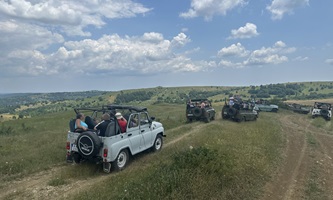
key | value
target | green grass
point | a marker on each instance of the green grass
(314, 188)
(320, 122)
(224, 160)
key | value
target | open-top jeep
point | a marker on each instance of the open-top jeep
(263, 105)
(322, 109)
(239, 111)
(115, 148)
(298, 108)
(199, 109)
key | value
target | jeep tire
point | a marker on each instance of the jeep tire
(232, 112)
(158, 143)
(197, 112)
(88, 144)
(121, 160)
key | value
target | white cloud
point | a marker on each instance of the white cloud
(247, 31)
(22, 45)
(146, 54)
(300, 58)
(329, 61)
(71, 16)
(180, 40)
(209, 8)
(279, 8)
(233, 50)
(259, 57)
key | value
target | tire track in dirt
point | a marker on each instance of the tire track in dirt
(300, 162)
(283, 182)
(36, 186)
(324, 162)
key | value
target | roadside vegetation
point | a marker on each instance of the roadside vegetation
(222, 160)
(217, 160)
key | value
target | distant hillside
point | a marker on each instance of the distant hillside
(11, 103)
(31, 104)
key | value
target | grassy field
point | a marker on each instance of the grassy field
(222, 159)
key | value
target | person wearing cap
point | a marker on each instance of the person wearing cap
(121, 121)
(231, 101)
(106, 119)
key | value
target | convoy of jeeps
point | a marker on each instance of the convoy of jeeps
(115, 147)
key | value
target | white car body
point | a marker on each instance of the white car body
(116, 146)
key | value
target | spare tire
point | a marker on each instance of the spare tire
(88, 144)
(324, 112)
(197, 112)
(232, 111)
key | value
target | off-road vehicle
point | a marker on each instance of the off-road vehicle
(298, 108)
(115, 148)
(322, 109)
(264, 106)
(200, 109)
(240, 111)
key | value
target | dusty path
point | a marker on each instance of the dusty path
(36, 186)
(307, 166)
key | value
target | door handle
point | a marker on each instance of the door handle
(142, 131)
(129, 134)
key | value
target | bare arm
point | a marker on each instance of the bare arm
(78, 124)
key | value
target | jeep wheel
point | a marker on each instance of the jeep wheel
(324, 113)
(274, 110)
(197, 112)
(157, 144)
(88, 144)
(232, 111)
(121, 160)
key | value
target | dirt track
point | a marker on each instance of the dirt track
(304, 173)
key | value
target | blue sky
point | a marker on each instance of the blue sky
(79, 45)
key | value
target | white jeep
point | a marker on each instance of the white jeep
(115, 148)
(322, 109)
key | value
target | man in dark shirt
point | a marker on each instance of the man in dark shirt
(103, 124)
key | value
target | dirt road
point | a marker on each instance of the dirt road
(307, 167)
(305, 171)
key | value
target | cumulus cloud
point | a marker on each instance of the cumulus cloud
(329, 61)
(147, 54)
(279, 8)
(233, 50)
(209, 8)
(263, 56)
(22, 45)
(247, 31)
(71, 16)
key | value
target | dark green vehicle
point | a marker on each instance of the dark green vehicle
(199, 109)
(239, 112)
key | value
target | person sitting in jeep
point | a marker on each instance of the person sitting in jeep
(121, 121)
(101, 127)
(80, 125)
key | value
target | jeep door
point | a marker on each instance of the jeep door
(145, 130)
(134, 134)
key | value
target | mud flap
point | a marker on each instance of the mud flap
(69, 158)
(106, 167)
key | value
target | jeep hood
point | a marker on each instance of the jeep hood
(156, 124)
